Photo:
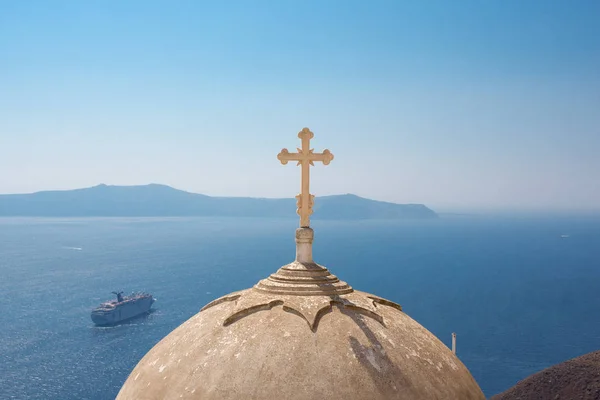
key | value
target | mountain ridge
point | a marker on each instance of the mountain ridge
(162, 200)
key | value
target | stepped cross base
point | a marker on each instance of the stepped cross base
(304, 277)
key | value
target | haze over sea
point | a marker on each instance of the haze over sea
(519, 295)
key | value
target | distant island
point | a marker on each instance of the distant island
(164, 201)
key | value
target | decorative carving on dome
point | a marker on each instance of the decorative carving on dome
(379, 300)
(230, 297)
(310, 308)
(251, 310)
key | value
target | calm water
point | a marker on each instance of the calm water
(518, 295)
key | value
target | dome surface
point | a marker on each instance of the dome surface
(265, 343)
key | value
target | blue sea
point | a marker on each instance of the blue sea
(522, 293)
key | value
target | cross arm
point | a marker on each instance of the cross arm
(325, 157)
(284, 156)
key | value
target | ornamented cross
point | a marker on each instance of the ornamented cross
(305, 157)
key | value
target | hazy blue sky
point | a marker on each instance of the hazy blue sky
(455, 104)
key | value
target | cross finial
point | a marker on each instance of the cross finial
(305, 157)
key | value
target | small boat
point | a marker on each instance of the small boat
(122, 309)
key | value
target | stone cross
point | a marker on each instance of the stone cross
(305, 157)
